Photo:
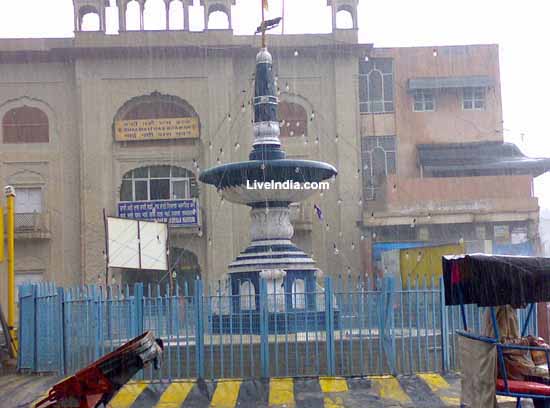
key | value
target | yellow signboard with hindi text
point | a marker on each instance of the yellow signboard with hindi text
(157, 129)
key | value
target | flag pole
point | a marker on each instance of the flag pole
(283, 22)
(263, 23)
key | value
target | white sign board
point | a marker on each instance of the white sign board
(137, 244)
(153, 237)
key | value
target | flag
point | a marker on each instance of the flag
(318, 211)
(265, 5)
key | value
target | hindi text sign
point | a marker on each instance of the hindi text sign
(156, 129)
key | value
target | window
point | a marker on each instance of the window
(25, 125)
(473, 98)
(247, 295)
(298, 294)
(28, 200)
(293, 119)
(379, 158)
(158, 183)
(424, 100)
(376, 86)
(28, 206)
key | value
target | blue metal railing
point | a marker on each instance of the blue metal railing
(344, 327)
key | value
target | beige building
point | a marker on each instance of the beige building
(124, 123)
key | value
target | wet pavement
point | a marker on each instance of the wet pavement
(421, 390)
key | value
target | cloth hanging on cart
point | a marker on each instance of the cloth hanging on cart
(478, 360)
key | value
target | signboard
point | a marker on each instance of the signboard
(501, 234)
(137, 244)
(156, 129)
(519, 235)
(173, 212)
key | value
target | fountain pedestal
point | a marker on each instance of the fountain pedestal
(272, 273)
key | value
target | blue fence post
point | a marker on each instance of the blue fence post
(199, 331)
(329, 327)
(34, 328)
(385, 313)
(61, 329)
(444, 328)
(264, 330)
(138, 315)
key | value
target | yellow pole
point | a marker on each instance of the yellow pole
(10, 201)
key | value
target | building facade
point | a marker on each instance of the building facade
(123, 124)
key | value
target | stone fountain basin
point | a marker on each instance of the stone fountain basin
(235, 180)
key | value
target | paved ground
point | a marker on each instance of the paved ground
(421, 390)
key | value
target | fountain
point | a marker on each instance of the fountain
(289, 273)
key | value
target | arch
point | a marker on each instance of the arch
(299, 294)
(25, 124)
(247, 295)
(88, 19)
(187, 268)
(26, 177)
(158, 182)
(344, 18)
(155, 106)
(133, 16)
(90, 22)
(218, 18)
(293, 119)
(175, 13)
(154, 15)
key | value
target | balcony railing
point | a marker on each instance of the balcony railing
(32, 223)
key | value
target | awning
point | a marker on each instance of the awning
(489, 280)
(478, 158)
(450, 82)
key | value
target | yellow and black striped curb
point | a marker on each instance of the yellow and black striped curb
(420, 390)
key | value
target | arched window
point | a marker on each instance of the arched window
(133, 17)
(25, 124)
(293, 119)
(155, 106)
(158, 183)
(379, 159)
(247, 295)
(298, 294)
(376, 85)
(90, 22)
(344, 19)
(175, 12)
(154, 15)
(218, 20)
(88, 19)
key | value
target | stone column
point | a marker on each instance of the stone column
(186, 16)
(167, 13)
(121, 4)
(141, 9)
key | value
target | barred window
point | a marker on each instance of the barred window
(473, 98)
(379, 159)
(158, 183)
(376, 86)
(424, 100)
